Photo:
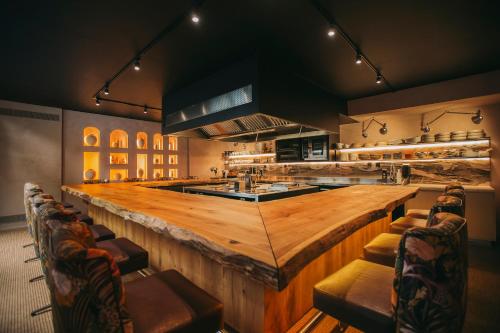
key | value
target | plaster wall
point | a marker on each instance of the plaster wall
(30, 150)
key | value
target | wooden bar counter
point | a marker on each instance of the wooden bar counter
(260, 259)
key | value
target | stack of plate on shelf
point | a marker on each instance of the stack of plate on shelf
(395, 142)
(475, 134)
(443, 137)
(415, 139)
(368, 144)
(458, 135)
(364, 156)
(375, 156)
(381, 143)
(428, 138)
(356, 145)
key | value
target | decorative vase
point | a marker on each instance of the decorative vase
(140, 173)
(91, 140)
(118, 176)
(140, 143)
(90, 174)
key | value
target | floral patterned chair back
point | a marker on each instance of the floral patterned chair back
(49, 216)
(36, 201)
(85, 286)
(430, 284)
(446, 204)
(29, 191)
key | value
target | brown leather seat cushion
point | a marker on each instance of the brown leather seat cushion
(168, 302)
(418, 213)
(359, 294)
(101, 233)
(400, 225)
(129, 256)
(85, 219)
(382, 249)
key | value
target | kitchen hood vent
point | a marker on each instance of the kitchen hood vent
(250, 101)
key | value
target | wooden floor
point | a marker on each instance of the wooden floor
(326, 325)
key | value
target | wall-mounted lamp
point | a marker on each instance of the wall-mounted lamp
(425, 126)
(364, 130)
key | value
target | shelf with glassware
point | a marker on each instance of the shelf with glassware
(245, 157)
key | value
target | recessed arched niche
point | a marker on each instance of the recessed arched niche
(141, 140)
(157, 141)
(118, 139)
(172, 143)
(91, 137)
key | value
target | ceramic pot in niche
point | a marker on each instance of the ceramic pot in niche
(140, 173)
(157, 175)
(90, 174)
(141, 143)
(118, 176)
(91, 140)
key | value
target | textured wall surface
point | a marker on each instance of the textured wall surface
(30, 150)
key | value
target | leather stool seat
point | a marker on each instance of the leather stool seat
(168, 302)
(67, 205)
(382, 249)
(129, 256)
(85, 219)
(358, 294)
(101, 232)
(400, 225)
(418, 213)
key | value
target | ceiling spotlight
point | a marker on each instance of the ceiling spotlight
(477, 118)
(97, 101)
(379, 79)
(106, 89)
(364, 133)
(195, 18)
(383, 129)
(358, 58)
(145, 109)
(137, 64)
(331, 32)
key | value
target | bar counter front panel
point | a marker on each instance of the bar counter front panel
(261, 259)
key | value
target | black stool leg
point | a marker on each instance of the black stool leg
(41, 310)
(31, 259)
(340, 327)
(37, 278)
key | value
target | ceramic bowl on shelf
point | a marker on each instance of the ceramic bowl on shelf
(90, 174)
(415, 139)
(395, 142)
(91, 140)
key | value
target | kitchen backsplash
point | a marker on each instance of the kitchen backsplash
(442, 172)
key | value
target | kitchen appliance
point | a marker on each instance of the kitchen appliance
(252, 100)
(288, 150)
(315, 148)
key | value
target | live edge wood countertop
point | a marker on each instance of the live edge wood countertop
(267, 241)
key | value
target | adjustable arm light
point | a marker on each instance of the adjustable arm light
(382, 130)
(425, 126)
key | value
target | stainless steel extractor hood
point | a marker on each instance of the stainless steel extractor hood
(251, 101)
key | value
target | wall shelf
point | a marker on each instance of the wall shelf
(157, 141)
(236, 156)
(428, 160)
(91, 137)
(172, 143)
(118, 139)
(173, 173)
(118, 174)
(141, 140)
(118, 159)
(436, 145)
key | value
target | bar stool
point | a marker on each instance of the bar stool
(424, 292)
(383, 248)
(129, 256)
(454, 189)
(87, 294)
(443, 203)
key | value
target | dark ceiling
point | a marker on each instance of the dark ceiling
(58, 53)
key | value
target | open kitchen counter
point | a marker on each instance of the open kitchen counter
(270, 252)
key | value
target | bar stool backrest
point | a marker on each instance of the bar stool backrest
(29, 190)
(35, 202)
(459, 193)
(446, 204)
(430, 284)
(85, 285)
